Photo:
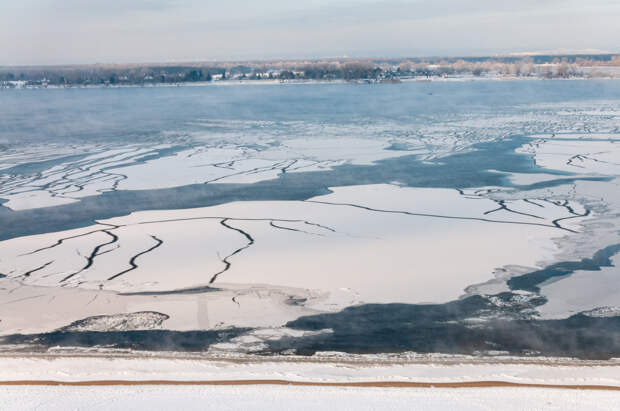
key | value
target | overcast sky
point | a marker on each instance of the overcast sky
(127, 31)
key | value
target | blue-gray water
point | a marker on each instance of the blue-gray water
(142, 114)
(54, 119)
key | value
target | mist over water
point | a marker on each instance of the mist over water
(133, 115)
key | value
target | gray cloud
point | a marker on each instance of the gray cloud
(99, 8)
(74, 31)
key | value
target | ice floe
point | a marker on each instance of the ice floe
(361, 244)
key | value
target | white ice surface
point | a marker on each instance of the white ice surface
(582, 136)
(582, 291)
(393, 252)
(28, 309)
(532, 178)
(587, 155)
(124, 169)
(330, 252)
(582, 157)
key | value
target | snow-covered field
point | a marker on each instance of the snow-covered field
(316, 369)
(275, 398)
(329, 370)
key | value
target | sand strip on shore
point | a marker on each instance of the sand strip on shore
(382, 384)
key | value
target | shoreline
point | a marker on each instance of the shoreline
(363, 384)
(344, 359)
(455, 373)
(306, 82)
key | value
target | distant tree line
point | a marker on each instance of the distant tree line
(96, 75)
(348, 70)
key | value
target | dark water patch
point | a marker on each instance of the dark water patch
(151, 340)
(398, 147)
(462, 170)
(479, 323)
(195, 290)
(36, 167)
(531, 281)
(161, 152)
(389, 328)
(558, 182)
(295, 301)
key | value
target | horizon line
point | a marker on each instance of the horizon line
(318, 59)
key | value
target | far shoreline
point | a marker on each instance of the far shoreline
(224, 83)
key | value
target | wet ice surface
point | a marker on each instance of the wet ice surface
(253, 230)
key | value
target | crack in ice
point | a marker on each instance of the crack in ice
(133, 259)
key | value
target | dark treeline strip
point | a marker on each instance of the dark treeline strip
(331, 69)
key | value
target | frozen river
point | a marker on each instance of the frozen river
(462, 217)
